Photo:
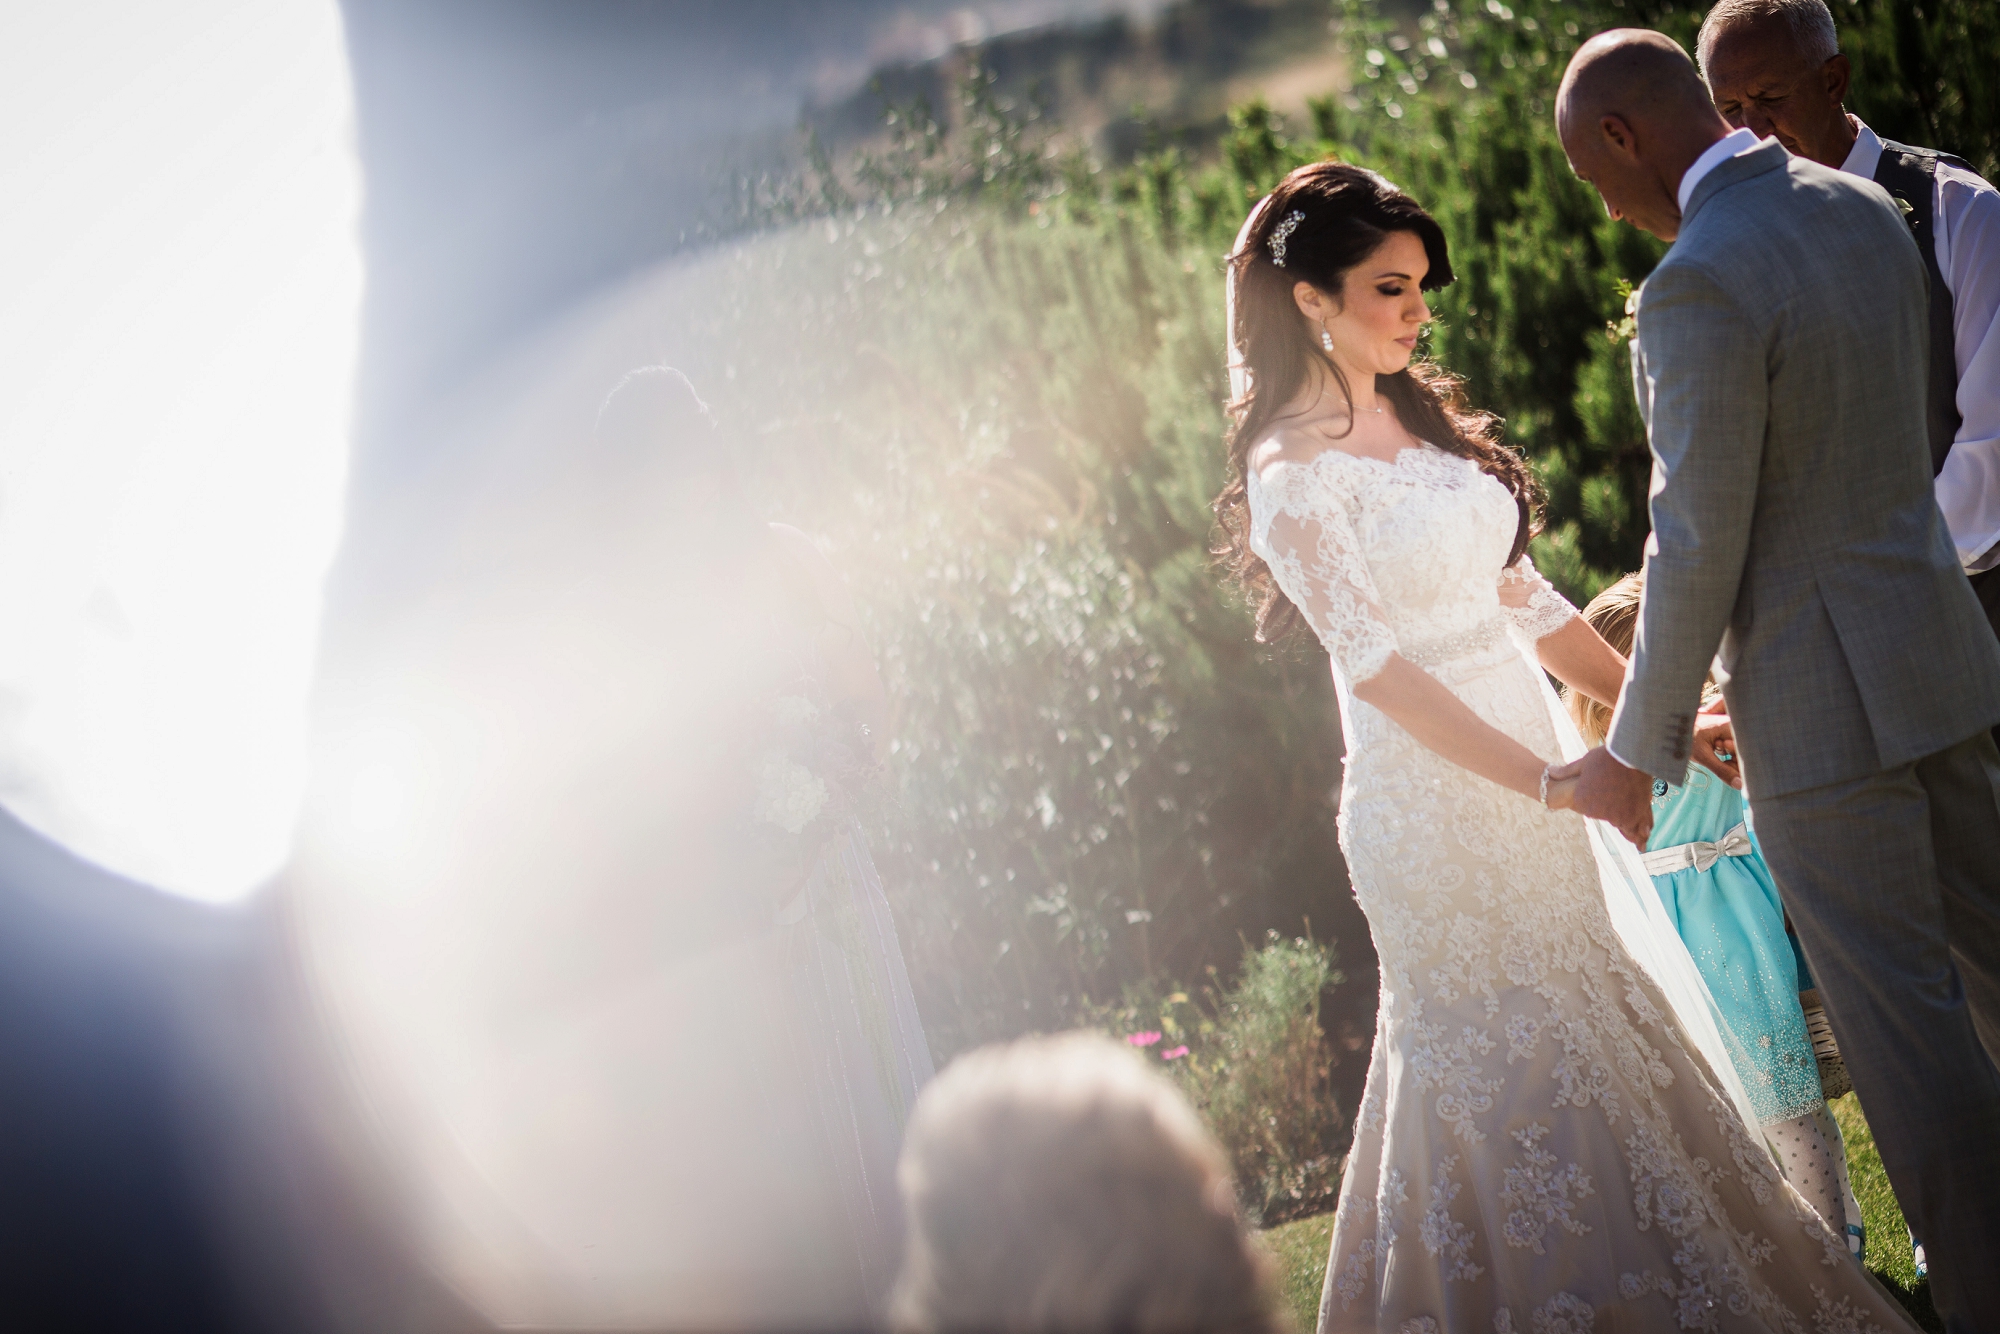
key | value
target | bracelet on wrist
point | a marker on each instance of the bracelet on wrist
(1545, 783)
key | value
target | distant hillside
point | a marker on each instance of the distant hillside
(521, 153)
(1123, 84)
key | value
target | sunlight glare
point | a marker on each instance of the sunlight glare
(182, 286)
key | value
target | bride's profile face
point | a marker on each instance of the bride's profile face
(1376, 316)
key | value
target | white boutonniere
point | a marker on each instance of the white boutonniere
(1625, 330)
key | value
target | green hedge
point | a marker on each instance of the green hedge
(1006, 433)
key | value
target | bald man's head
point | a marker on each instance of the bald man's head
(1633, 115)
(1632, 72)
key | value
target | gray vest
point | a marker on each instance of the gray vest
(1910, 177)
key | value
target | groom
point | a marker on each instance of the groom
(1780, 366)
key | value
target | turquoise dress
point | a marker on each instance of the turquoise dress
(1734, 927)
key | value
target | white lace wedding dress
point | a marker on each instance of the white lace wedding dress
(1539, 1147)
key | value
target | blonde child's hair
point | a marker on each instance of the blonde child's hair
(1614, 614)
(1057, 1184)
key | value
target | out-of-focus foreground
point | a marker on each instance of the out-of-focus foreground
(980, 363)
(974, 350)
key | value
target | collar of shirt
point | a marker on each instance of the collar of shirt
(1866, 154)
(1728, 146)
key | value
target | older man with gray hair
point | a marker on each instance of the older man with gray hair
(1774, 66)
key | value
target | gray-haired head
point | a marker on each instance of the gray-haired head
(1774, 67)
(1810, 23)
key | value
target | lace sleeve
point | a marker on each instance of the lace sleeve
(1316, 558)
(1531, 602)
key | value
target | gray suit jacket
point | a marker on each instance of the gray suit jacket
(1780, 366)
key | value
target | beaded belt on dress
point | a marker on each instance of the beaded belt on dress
(1435, 651)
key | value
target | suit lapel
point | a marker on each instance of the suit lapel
(1637, 352)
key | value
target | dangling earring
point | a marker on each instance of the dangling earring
(1325, 338)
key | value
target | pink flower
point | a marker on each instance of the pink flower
(1175, 1054)
(1142, 1039)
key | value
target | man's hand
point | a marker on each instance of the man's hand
(1607, 790)
(1715, 746)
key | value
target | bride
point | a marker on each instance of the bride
(1549, 1139)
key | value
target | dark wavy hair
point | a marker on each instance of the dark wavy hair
(1347, 214)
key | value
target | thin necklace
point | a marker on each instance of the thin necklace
(1351, 408)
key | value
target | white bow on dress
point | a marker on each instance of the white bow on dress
(1701, 856)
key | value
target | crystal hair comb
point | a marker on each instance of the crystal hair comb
(1282, 233)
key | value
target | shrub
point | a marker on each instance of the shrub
(1006, 435)
(1254, 1061)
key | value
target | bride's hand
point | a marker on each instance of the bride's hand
(1562, 793)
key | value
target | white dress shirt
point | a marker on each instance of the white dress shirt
(1966, 213)
(1730, 145)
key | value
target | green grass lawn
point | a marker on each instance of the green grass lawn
(1888, 1238)
(1300, 1247)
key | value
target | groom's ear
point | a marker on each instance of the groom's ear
(1618, 135)
(1837, 73)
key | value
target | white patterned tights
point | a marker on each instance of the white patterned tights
(1814, 1159)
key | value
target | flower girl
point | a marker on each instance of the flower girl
(1711, 877)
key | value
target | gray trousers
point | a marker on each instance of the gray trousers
(1893, 883)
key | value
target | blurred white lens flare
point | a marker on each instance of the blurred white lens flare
(182, 284)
